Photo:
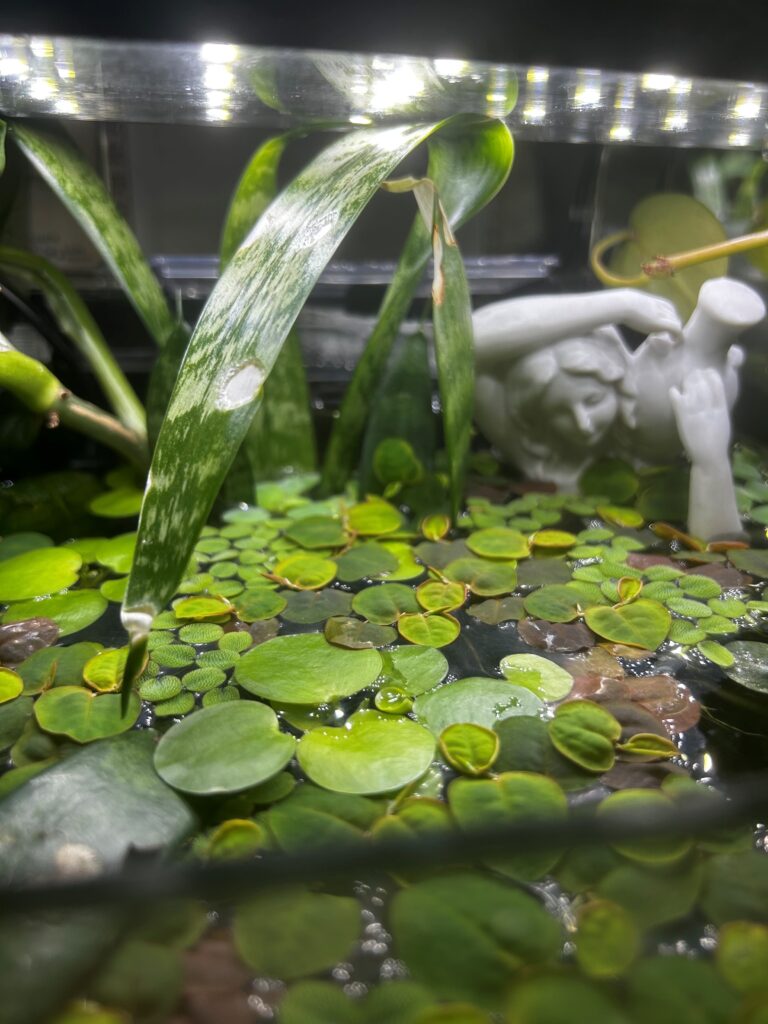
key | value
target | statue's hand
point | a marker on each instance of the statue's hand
(649, 314)
(701, 412)
(735, 358)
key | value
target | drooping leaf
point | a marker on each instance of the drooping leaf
(468, 162)
(414, 668)
(223, 749)
(86, 198)
(585, 733)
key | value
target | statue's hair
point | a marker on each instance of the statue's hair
(601, 355)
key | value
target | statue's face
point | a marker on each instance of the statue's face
(578, 410)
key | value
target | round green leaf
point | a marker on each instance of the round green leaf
(607, 939)
(469, 749)
(552, 539)
(749, 667)
(659, 850)
(292, 933)
(200, 633)
(114, 590)
(478, 700)
(614, 478)
(71, 612)
(17, 543)
(495, 610)
(545, 678)
(385, 603)
(393, 701)
(314, 532)
(84, 716)
(104, 671)
(38, 572)
(553, 602)
(117, 504)
(200, 680)
(585, 733)
(357, 634)
(160, 688)
(511, 798)
(498, 542)
(175, 707)
(461, 934)
(373, 518)
(428, 630)
(223, 749)
(259, 603)
(643, 623)
(395, 461)
(60, 666)
(561, 999)
(306, 669)
(414, 668)
(435, 596)
(201, 609)
(716, 653)
(305, 572)
(742, 955)
(484, 578)
(371, 753)
(11, 684)
(365, 560)
(434, 527)
(310, 606)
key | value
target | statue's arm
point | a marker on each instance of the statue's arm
(701, 412)
(515, 327)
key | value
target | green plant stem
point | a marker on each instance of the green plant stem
(666, 266)
(75, 320)
(88, 419)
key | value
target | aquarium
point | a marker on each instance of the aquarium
(383, 560)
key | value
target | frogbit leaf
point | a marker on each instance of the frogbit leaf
(468, 748)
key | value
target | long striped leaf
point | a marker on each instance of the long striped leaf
(83, 193)
(282, 433)
(234, 346)
(75, 320)
(454, 349)
(253, 193)
(468, 163)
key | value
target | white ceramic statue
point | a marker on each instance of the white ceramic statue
(557, 386)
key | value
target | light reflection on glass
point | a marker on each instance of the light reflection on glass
(740, 138)
(588, 91)
(216, 76)
(218, 53)
(13, 67)
(655, 83)
(747, 106)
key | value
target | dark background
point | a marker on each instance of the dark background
(706, 37)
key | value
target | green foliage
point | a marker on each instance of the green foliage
(373, 753)
(295, 933)
(223, 749)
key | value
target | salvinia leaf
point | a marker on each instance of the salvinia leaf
(468, 164)
(281, 434)
(75, 320)
(234, 346)
(83, 193)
